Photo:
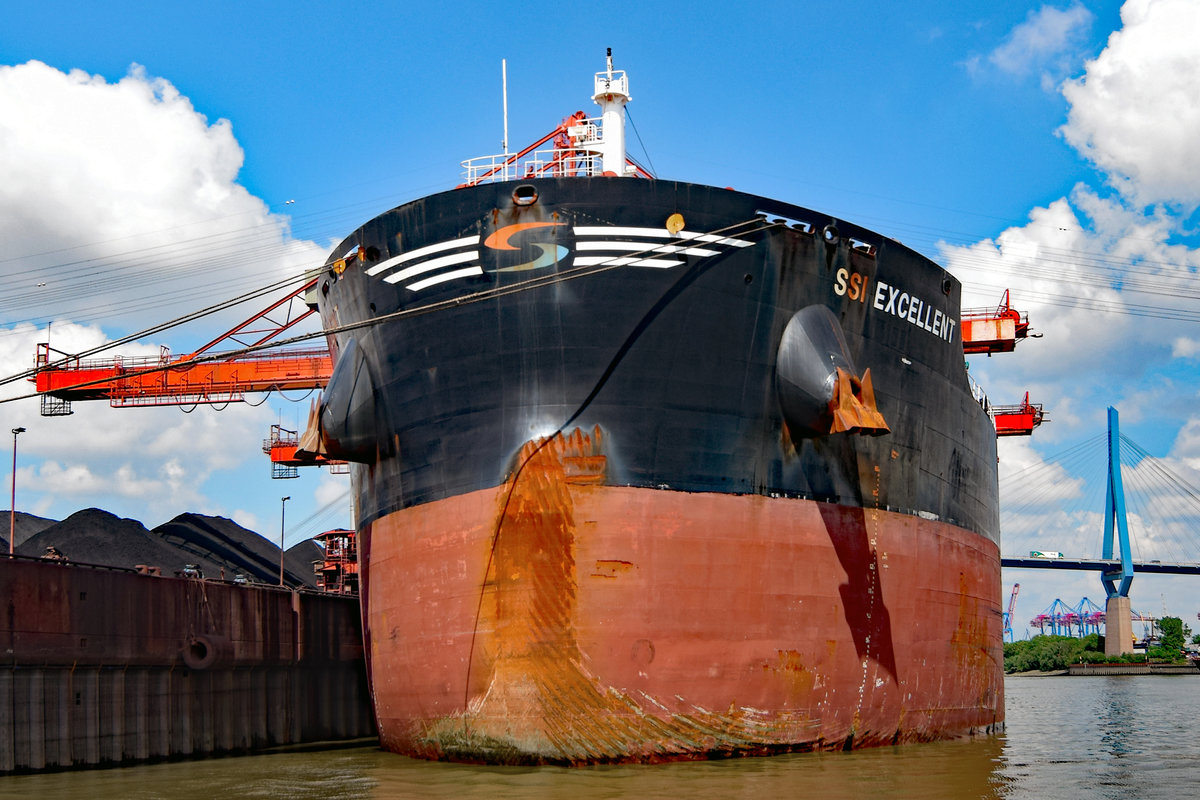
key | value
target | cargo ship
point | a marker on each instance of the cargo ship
(647, 470)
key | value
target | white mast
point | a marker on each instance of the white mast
(612, 93)
(504, 92)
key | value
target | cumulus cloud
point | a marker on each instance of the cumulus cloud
(1187, 446)
(1134, 113)
(1184, 347)
(120, 199)
(1111, 295)
(145, 463)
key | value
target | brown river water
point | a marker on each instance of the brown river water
(1075, 738)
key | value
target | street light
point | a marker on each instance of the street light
(12, 509)
(282, 516)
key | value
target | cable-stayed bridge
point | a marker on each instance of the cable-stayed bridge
(1149, 529)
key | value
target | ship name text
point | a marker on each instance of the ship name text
(916, 311)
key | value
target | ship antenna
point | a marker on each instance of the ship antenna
(504, 95)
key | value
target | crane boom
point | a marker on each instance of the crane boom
(1008, 615)
(124, 381)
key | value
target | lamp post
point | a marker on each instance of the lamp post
(282, 516)
(12, 509)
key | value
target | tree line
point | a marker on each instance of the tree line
(1051, 653)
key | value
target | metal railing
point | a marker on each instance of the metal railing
(553, 163)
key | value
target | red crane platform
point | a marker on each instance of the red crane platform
(1018, 420)
(338, 571)
(993, 330)
(283, 446)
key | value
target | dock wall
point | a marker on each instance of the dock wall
(1132, 669)
(104, 667)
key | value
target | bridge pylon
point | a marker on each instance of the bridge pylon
(1118, 626)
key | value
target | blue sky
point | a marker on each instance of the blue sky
(953, 128)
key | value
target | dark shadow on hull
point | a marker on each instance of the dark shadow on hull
(862, 596)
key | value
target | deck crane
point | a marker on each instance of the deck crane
(287, 456)
(62, 378)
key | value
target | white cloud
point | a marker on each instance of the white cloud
(1135, 113)
(119, 202)
(332, 490)
(1046, 42)
(1184, 347)
(247, 519)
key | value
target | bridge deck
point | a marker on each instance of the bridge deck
(1099, 565)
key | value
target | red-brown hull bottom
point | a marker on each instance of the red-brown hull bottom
(559, 620)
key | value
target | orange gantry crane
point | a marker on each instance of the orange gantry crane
(124, 381)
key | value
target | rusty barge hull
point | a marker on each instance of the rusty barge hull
(102, 667)
(633, 491)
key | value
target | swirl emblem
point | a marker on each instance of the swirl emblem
(549, 254)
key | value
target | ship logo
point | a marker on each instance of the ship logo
(549, 254)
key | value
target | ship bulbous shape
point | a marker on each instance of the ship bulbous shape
(348, 411)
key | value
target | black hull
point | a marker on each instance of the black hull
(677, 365)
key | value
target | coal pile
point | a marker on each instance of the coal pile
(24, 526)
(215, 546)
(222, 541)
(93, 536)
(303, 554)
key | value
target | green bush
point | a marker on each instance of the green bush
(1163, 654)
